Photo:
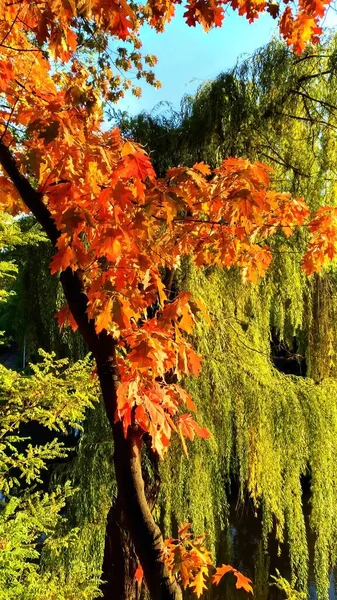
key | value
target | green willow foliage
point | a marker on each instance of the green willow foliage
(270, 429)
(28, 316)
(11, 234)
(283, 585)
(274, 107)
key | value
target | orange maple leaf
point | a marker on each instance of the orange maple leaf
(6, 74)
(241, 580)
(186, 322)
(65, 317)
(104, 319)
(111, 248)
(194, 361)
(190, 428)
(203, 168)
(62, 259)
(139, 574)
(220, 572)
(138, 165)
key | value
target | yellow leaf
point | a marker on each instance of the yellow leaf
(186, 323)
(128, 148)
(198, 584)
(161, 290)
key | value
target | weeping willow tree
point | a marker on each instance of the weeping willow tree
(269, 429)
(28, 316)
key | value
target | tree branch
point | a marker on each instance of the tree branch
(70, 280)
(317, 100)
(31, 198)
(311, 120)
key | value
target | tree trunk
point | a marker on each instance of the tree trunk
(144, 532)
(120, 561)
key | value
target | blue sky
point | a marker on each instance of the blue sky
(187, 56)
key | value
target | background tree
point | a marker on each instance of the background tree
(296, 134)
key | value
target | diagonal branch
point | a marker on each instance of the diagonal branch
(317, 100)
(71, 281)
(31, 198)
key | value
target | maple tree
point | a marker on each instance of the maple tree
(116, 226)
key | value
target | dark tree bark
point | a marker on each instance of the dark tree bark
(120, 561)
(144, 532)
